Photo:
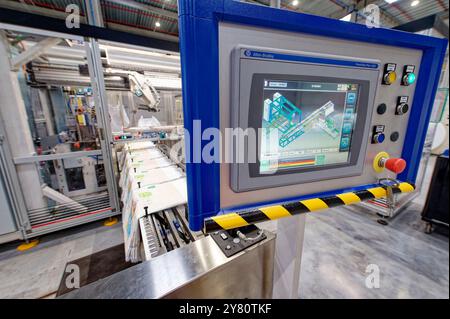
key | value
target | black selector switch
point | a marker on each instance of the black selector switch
(402, 105)
(394, 136)
(381, 109)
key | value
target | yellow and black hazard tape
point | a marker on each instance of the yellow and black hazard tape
(240, 219)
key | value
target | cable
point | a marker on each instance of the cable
(244, 237)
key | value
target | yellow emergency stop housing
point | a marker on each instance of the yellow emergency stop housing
(376, 161)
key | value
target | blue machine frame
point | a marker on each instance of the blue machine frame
(198, 25)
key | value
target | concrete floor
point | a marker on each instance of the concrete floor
(37, 273)
(339, 245)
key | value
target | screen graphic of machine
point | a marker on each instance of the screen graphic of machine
(306, 124)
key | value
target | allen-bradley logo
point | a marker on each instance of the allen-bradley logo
(248, 53)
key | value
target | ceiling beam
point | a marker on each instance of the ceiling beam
(34, 20)
(146, 7)
(431, 22)
(440, 26)
(63, 15)
(94, 13)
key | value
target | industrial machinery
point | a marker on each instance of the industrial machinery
(65, 122)
(315, 113)
(331, 113)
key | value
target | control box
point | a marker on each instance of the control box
(311, 106)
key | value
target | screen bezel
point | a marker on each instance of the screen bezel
(256, 115)
(242, 71)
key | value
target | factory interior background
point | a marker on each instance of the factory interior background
(95, 188)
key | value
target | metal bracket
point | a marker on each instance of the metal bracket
(389, 184)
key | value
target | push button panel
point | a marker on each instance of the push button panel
(392, 112)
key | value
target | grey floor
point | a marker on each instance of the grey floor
(339, 245)
(37, 273)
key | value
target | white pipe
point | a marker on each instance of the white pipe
(62, 199)
(14, 117)
(33, 52)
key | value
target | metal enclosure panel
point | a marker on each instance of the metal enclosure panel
(228, 281)
(197, 270)
(7, 224)
(234, 35)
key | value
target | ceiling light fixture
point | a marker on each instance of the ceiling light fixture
(390, 1)
(157, 24)
(415, 3)
(295, 3)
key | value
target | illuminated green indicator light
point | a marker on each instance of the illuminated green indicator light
(411, 78)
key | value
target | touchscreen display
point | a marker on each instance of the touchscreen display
(306, 124)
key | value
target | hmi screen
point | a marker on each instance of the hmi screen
(306, 124)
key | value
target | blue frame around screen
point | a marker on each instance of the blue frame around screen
(198, 27)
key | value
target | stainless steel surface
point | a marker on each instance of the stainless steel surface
(198, 270)
(288, 257)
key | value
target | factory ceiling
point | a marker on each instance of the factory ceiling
(158, 18)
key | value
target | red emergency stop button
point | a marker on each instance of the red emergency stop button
(396, 165)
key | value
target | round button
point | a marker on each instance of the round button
(396, 165)
(381, 109)
(395, 136)
(409, 79)
(390, 77)
(378, 138)
(402, 108)
(236, 240)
